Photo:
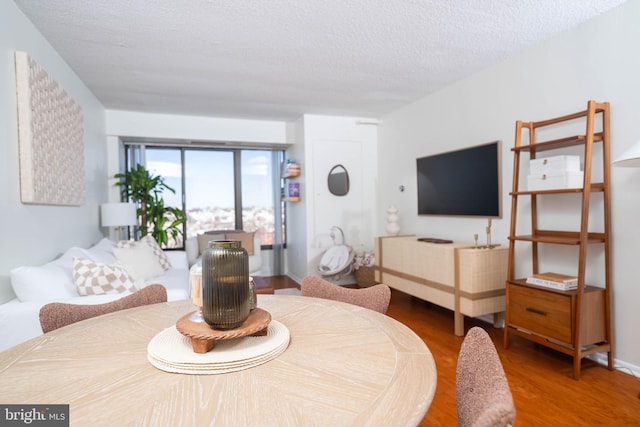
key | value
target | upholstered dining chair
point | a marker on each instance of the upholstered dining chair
(483, 395)
(56, 315)
(376, 297)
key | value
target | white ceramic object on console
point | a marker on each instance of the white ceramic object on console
(393, 228)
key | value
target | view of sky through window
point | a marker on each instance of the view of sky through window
(210, 190)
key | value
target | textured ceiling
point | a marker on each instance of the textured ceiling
(279, 59)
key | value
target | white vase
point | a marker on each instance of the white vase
(393, 228)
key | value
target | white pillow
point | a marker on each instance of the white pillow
(140, 261)
(151, 242)
(94, 278)
(48, 282)
(157, 251)
(102, 251)
(66, 259)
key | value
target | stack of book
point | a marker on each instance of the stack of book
(554, 280)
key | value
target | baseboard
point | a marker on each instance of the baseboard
(295, 278)
(619, 365)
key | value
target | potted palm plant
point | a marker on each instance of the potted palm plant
(145, 189)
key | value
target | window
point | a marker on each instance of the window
(209, 180)
(258, 194)
(167, 164)
(219, 189)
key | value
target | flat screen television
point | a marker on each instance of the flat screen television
(464, 182)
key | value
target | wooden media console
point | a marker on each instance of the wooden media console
(468, 280)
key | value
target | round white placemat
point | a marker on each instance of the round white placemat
(171, 351)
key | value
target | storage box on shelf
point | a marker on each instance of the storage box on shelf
(555, 180)
(554, 172)
(554, 163)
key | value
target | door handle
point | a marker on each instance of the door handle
(536, 311)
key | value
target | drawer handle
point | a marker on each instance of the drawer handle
(536, 311)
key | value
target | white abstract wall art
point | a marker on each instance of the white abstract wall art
(50, 131)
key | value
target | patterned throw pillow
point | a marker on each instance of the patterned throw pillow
(94, 278)
(157, 251)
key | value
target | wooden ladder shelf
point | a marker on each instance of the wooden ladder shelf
(576, 322)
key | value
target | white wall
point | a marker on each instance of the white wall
(324, 142)
(596, 60)
(297, 213)
(32, 234)
(167, 126)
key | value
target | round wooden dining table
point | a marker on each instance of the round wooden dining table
(344, 365)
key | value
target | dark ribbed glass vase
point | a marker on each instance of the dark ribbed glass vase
(225, 284)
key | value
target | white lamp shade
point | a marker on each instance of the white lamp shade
(630, 158)
(118, 214)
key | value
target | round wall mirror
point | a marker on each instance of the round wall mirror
(338, 181)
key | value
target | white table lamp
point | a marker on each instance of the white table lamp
(118, 215)
(630, 158)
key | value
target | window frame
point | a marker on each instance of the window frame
(135, 152)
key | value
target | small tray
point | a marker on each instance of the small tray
(203, 337)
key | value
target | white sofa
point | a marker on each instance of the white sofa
(53, 282)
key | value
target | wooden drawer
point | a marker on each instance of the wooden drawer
(551, 314)
(544, 313)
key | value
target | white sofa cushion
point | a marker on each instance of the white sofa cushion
(95, 278)
(140, 261)
(43, 283)
(51, 281)
(178, 260)
(172, 279)
(102, 251)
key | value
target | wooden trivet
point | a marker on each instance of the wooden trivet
(203, 337)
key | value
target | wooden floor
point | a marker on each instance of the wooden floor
(541, 380)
